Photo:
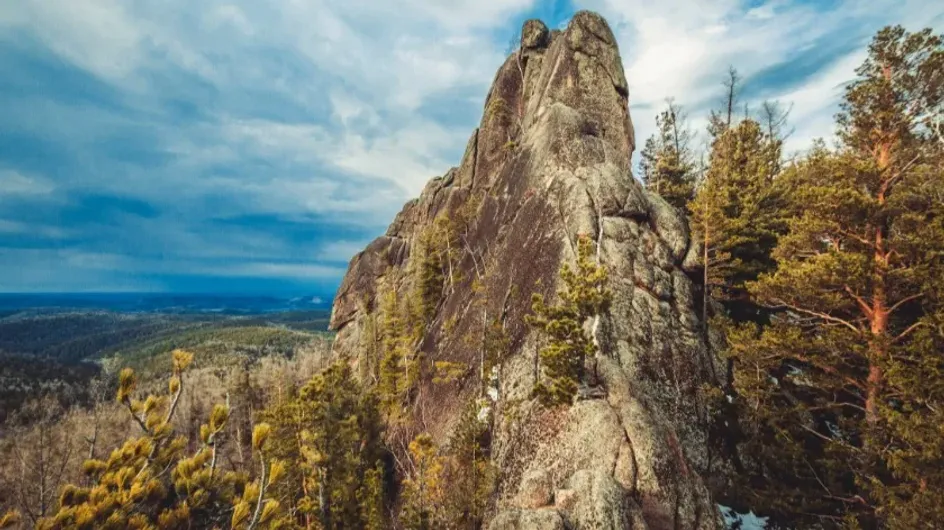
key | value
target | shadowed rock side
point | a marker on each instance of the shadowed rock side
(551, 160)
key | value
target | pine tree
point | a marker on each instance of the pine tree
(371, 497)
(399, 365)
(667, 160)
(150, 483)
(330, 434)
(736, 213)
(773, 120)
(423, 489)
(468, 470)
(584, 296)
(724, 118)
(845, 390)
(434, 264)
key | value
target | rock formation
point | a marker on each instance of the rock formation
(550, 161)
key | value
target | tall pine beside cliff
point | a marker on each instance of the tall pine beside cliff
(667, 161)
(845, 391)
(736, 212)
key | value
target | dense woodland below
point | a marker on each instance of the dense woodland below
(822, 292)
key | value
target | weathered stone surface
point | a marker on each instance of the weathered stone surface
(534, 34)
(551, 160)
(536, 489)
(598, 502)
(547, 519)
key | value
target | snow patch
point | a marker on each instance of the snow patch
(493, 393)
(741, 521)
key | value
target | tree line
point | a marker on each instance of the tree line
(824, 274)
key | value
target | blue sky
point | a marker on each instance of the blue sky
(256, 145)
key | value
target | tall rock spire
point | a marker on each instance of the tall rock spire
(551, 161)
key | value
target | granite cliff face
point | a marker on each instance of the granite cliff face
(550, 161)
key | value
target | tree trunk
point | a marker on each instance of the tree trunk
(878, 343)
(878, 317)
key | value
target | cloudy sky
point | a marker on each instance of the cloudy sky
(256, 145)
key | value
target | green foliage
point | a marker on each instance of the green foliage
(736, 213)
(423, 489)
(498, 110)
(667, 160)
(584, 296)
(469, 471)
(330, 434)
(433, 260)
(843, 394)
(489, 338)
(371, 499)
(449, 372)
(436, 256)
(399, 366)
(450, 487)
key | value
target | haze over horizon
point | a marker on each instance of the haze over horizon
(255, 146)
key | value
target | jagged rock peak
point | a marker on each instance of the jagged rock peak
(550, 160)
(534, 34)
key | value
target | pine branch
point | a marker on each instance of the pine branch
(780, 304)
(863, 305)
(903, 301)
(907, 331)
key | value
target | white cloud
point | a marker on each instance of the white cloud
(340, 250)
(298, 271)
(816, 102)
(16, 183)
(249, 268)
(682, 49)
(15, 227)
(229, 15)
(310, 110)
(374, 64)
(97, 35)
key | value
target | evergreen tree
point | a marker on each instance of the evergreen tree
(773, 120)
(434, 266)
(150, 483)
(667, 160)
(723, 119)
(845, 390)
(331, 434)
(399, 366)
(469, 471)
(736, 212)
(423, 488)
(584, 296)
(371, 496)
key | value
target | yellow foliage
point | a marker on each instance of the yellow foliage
(260, 434)
(9, 519)
(448, 372)
(132, 489)
(182, 360)
(240, 514)
(126, 384)
(276, 470)
(269, 510)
